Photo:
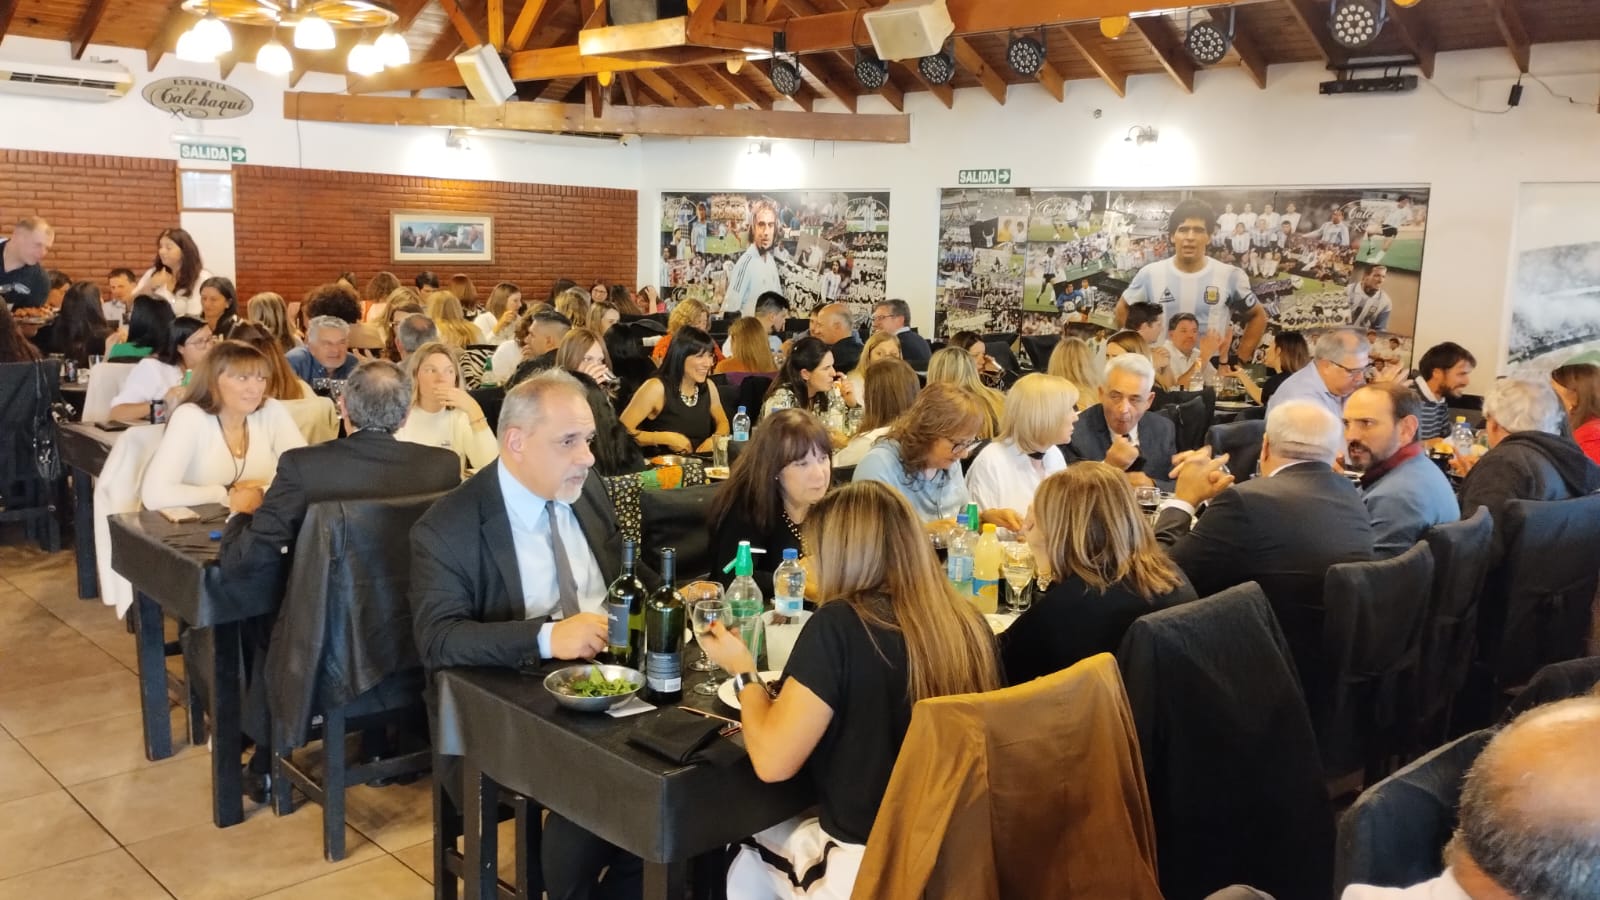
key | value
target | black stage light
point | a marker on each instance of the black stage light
(1356, 23)
(938, 68)
(871, 71)
(1025, 53)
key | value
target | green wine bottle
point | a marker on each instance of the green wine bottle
(625, 609)
(664, 619)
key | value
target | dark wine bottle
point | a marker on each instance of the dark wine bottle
(625, 608)
(664, 619)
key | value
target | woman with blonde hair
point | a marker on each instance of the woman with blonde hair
(443, 414)
(271, 312)
(574, 304)
(920, 456)
(402, 303)
(498, 321)
(690, 312)
(444, 308)
(282, 382)
(1074, 360)
(1039, 414)
(952, 365)
(1099, 566)
(891, 388)
(1126, 341)
(889, 631)
(878, 346)
(752, 353)
(603, 315)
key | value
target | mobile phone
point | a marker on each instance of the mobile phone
(178, 515)
(111, 426)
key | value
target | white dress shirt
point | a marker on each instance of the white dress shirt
(1445, 887)
(1003, 477)
(536, 569)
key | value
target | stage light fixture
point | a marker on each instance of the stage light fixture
(1208, 44)
(1356, 23)
(785, 71)
(1026, 54)
(872, 72)
(938, 68)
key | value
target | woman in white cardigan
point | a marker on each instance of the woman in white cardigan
(177, 273)
(443, 414)
(226, 436)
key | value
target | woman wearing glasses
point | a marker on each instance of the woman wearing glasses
(162, 375)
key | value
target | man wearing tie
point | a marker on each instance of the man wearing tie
(1117, 430)
(511, 569)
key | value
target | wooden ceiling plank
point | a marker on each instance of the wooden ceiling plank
(8, 9)
(1251, 59)
(1313, 18)
(444, 46)
(805, 97)
(569, 61)
(1160, 37)
(527, 21)
(1415, 36)
(556, 117)
(629, 95)
(594, 13)
(659, 86)
(891, 93)
(944, 92)
(701, 87)
(830, 83)
(407, 10)
(176, 22)
(497, 24)
(86, 27)
(968, 57)
(734, 88)
(705, 13)
(411, 77)
(463, 25)
(1109, 72)
(1508, 19)
(1050, 77)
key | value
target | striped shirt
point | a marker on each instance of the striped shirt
(1433, 421)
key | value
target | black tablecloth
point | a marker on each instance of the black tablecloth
(85, 446)
(175, 565)
(581, 766)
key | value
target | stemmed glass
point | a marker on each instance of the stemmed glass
(1018, 572)
(1149, 500)
(695, 594)
(702, 615)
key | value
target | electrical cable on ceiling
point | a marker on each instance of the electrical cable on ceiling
(1440, 91)
(1551, 92)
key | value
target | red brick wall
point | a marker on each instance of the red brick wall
(297, 228)
(107, 210)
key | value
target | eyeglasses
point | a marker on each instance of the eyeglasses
(961, 447)
(1364, 371)
(877, 319)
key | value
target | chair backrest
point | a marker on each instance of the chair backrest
(728, 393)
(1450, 635)
(345, 623)
(490, 399)
(1191, 415)
(1241, 440)
(1371, 653)
(752, 390)
(1038, 348)
(1546, 580)
(1394, 834)
(473, 359)
(316, 417)
(1557, 681)
(680, 519)
(116, 490)
(105, 383)
(1236, 786)
(26, 389)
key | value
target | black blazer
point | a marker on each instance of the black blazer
(1071, 622)
(1158, 441)
(846, 354)
(914, 350)
(466, 591)
(255, 555)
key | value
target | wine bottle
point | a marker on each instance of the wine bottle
(664, 619)
(625, 609)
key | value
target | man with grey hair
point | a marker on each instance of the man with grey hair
(1528, 458)
(1118, 431)
(894, 317)
(1282, 529)
(1339, 361)
(326, 355)
(1529, 819)
(832, 325)
(511, 570)
(412, 332)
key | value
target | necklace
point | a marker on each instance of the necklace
(689, 399)
(236, 458)
(789, 524)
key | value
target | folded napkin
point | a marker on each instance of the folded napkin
(684, 738)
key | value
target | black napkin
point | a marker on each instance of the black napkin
(683, 738)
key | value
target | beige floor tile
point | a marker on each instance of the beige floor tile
(393, 817)
(24, 622)
(64, 658)
(260, 855)
(381, 879)
(20, 775)
(45, 830)
(418, 859)
(150, 802)
(37, 710)
(112, 875)
(104, 747)
(113, 638)
(59, 594)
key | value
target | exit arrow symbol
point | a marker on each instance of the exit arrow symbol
(236, 154)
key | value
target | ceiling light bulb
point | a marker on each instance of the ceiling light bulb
(394, 49)
(313, 33)
(364, 59)
(192, 48)
(214, 35)
(273, 58)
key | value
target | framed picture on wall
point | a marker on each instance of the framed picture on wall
(424, 236)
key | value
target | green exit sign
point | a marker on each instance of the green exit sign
(212, 152)
(983, 177)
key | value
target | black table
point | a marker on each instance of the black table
(173, 571)
(84, 449)
(510, 733)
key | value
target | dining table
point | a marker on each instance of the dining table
(84, 449)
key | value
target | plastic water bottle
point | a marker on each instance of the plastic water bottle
(986, 562)
(834, 418)
(1462, 437)
(744, 595)
(741, 425)
(958, 556)
(788, 615)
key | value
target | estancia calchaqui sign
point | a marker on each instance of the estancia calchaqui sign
(197, 98)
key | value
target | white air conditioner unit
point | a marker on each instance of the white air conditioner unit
(93, 82)
(485, 75)
(909, 29)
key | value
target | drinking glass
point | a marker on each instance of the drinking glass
(1018, 572)
(719, 452)
(750, 629)
(702, 615)
(701, 592)
(1149, 500)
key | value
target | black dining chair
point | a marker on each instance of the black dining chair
(1450, 633)
(1241, 440)
(1037, 348)
(679, 519)
(1557, 681)
(1371, 653)
(1190, 418)
(27, 445)
(342, 647)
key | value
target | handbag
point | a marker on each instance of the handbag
(46, 454)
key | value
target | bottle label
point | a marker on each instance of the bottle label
(986, 589)
(958, 568)
(664, 672)
(741, 435)
(618, 630)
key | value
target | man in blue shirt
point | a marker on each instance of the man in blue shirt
(326, 354)
(1405, 493)
(1339, 361)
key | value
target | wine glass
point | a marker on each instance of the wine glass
(695, 593)
(702, 615)
(1149, 500)
(1018, 572)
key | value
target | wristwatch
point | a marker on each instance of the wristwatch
(745, 679)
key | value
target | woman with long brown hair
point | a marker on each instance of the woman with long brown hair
(176, 274)
(890, 631)
(954, 366)
(497, 322)
(891, 387)
(465, 291)
(1578, 386)
(774, 483)
(1100, 566)
(375, 296)
(401, 303)
(271, 312)
(1288, 354)
(282, 383)
(454, 329)
(752, 352)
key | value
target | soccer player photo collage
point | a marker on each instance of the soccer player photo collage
(815, 247)
(1035, 261)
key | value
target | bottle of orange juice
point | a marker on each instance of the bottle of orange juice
(986, 562)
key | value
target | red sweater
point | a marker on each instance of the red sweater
(1588, 437)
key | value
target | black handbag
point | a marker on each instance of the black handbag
(46, 453)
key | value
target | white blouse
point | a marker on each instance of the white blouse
(186, 304)
(503, 364)
(148, 382)
(193, 466)
(851, 454)
(1003, 477)
(452, 430)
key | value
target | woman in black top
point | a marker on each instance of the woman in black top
(219, 305)
(776, 480)
(890, 631)
(1103, 569)
(1287, 355)
(680, 405)
(80, 328)
(629, 362)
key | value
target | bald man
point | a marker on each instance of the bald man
(1530, 815)
(833, 326)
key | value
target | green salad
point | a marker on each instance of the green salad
(597, 685)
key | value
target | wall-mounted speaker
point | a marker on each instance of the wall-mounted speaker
(909, 29)
(485, 75)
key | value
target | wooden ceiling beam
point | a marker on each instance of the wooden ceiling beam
(893, 94)
(444, 46)
(407, 10)
(8, 10)
(1251, 59)
(598, 99)
(968, 57)
(693, 78)
(805, 96)
(527, 22)
(570, 62)
(247, 42)
(944, 92)
(1109, 71)
(705, 13)
(463, 25)
(1509, 20)
(629, 95)
(736, 88)
(87, 24)
(166, 37)
(666, 90)
(496, 15)
(1162, 39)
(1415, 36)
(1313, 18)
(835, 87)
(411, 77)
(594, 13)
(1050, 77)
(557, 117)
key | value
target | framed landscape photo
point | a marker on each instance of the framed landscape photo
(423, 236)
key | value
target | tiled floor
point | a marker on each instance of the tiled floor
(84, 815)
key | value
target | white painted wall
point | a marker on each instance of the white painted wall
(1226, 133)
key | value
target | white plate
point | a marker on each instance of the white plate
(725, 690)
(999, 621)
(717, 473)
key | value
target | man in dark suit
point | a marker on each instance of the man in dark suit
(831, 324)
(511, 569)
(1282, 529)
(894, 317)
(1119, 430)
